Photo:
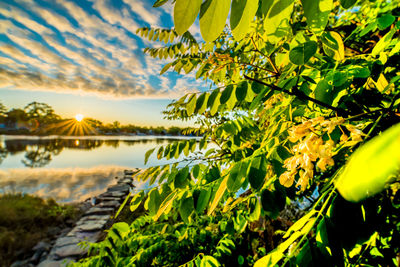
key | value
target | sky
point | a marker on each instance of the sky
(84, 57)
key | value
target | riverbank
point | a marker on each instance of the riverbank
(92, 217)
(26, 220)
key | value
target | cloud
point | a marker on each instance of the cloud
(143, 10)
(66, 47)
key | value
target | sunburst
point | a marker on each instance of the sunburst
(75, 126)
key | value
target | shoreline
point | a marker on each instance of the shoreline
(97, 215)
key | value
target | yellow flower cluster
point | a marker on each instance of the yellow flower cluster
(311, 150)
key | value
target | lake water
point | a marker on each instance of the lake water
(71, 169)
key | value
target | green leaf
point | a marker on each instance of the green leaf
(237, 176)
(301, 54)
(255, 209)
(214, 102)
(333, 45)
(166, 204)
(257, 172)
(147, 155)
(226, 94)
(371, 167)
(136, 201)
(185, 13)
(181, 178)
(385, 21)
(276, 23)
(213, 15)
(317, 13)
(203, 200)
(347, 3)
(165, 68)
(242, 13)
(383, 42)
(153, 201)
(191, 105)
(241, 91)
(324, 91)
(159, 3)
(160, 152)
(201, 104)
(209, 261)
(186, 208)
(273, 201)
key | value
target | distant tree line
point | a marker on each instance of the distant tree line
(40, 119)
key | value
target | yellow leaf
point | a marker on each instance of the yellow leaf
(218, 195)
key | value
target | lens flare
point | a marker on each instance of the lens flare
(79, 117)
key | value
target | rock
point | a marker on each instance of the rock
(42, 245)
(99, 211)
(98, 217)
(128, 172)
(125, 181)
(53, 231)
(71, 251)
(55, 263)
(109, 204)
(24, 263)
(36, 257)
(43, 256)
(119, 188)
(85, 206)
(66, 240)
(91, 226)
(85, 236)
(112, 194)
(102, 199)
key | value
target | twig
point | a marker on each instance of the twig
(298, 94)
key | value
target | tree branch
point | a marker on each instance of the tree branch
(298, 94)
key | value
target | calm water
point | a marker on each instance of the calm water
(70, 169)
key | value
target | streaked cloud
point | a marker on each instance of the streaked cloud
(85, 47)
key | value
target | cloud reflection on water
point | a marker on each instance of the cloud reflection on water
(64, 185)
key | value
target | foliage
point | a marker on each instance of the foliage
(293, 95)
(25, 221)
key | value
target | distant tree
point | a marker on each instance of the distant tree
(94, 123)
(3, 113)
(174, 130)
(42, 112)
(15, 116)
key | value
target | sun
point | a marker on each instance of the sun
(79, 117)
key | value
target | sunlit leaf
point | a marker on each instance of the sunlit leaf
(191, 105)
(242, 13)
(276, 22)
(213, 15)
(218, 195)
(147, 155)
(371, 167)
(185, 13)
(317, 12)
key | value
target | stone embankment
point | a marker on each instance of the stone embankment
(91, 226)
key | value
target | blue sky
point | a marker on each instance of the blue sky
(84, 57)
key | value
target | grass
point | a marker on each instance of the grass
(25, 220)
